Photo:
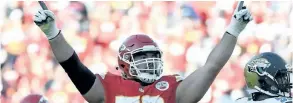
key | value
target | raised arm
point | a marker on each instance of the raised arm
(193, 88)
(85, 81)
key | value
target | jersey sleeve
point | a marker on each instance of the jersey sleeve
(174, 80)
(110, 82)
(107, 78)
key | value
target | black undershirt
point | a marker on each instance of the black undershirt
(80, 75)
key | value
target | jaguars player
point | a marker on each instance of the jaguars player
(267, 77)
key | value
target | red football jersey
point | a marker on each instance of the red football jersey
(119, 90)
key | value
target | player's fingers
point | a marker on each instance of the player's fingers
(49, 13)
(43, 16)
(246, 16)
(37, 18)
(239, 6)
(38, 14)
(240, 14)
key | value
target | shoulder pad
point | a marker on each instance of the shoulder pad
(102, 75)
(108, 74)
(178, 77)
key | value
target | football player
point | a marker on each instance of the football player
(267, 77)
(140, 61)
(34, 98)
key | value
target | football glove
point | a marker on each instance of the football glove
(45, 19)
(239, 21)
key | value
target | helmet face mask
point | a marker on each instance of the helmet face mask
(283, 80)
(140, 60)
(146, 66)
(269, 74)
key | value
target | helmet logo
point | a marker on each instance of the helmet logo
(258, 65)
(122, 47)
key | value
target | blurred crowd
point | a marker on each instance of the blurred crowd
(185, 31)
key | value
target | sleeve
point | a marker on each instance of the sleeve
(79, 74)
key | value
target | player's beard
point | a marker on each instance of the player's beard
(141, 82)
(147, 72)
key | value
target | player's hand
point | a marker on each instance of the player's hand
(240, 19)
(45, 19)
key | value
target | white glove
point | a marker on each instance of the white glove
(239, 21)
(46, 21)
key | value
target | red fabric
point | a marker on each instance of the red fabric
(128, 90)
